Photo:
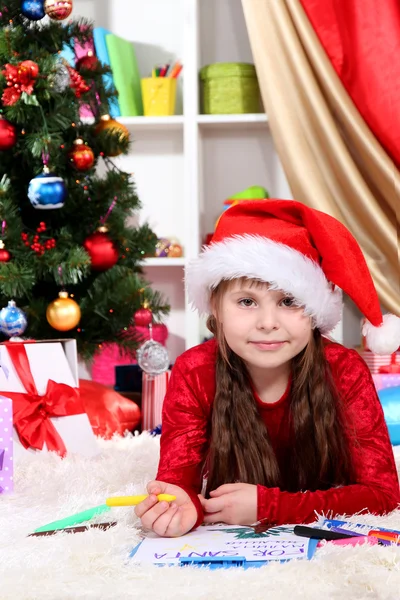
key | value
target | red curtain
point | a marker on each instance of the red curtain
(362, 41)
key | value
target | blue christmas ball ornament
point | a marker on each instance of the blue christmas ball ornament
(13, 320)
(33, 9)
(47, 191)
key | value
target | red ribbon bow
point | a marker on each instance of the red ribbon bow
(32, 412)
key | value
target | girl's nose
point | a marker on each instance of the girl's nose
(268, 318)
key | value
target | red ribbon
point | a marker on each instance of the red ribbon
(32, 412)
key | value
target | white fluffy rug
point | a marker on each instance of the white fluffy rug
(95, 564)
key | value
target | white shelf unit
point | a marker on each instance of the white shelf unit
(185, 166)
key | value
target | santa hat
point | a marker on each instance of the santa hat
(298, 250)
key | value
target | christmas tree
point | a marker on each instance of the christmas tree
(51, 158)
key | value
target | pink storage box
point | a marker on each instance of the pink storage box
(103, 370)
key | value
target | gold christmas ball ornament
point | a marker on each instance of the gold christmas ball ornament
(175, 250)
(108, 123)
(63, 313)
(58, 9)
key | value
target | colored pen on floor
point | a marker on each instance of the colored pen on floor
(134, 500)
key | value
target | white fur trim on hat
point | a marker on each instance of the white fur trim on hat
(281, 266)
(384, 339)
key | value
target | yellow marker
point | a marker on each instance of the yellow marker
(133, 500)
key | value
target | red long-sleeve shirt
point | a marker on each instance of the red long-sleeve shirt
(186, 436)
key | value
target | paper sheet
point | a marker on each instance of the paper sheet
(223, 541)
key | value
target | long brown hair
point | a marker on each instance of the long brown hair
(240, 447)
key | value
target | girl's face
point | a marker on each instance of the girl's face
(264, 327)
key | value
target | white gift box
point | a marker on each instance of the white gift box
(54, 360)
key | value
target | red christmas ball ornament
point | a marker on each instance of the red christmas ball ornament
(5, 256)
(8, 134)
(88, 62)
(28, 70)
(101, 249)
(143, 316)
(81, 156)
(58, 9)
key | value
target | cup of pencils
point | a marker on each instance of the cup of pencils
(159, 91)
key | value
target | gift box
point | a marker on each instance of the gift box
(6, 445)
(41, 378)
(154, 388)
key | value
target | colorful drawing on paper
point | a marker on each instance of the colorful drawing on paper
(223, 541)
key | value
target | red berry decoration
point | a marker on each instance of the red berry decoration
(81, 156)
(5, 256)
(143, 316)
(101, 249)
(77, 82)
(8, 134)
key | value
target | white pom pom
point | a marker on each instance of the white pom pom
(384, 339)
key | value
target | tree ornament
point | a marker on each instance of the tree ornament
(8, 134)
(5, 256)
(162, 247)
(47, 191)
(152, 357)
(20, 78)
(58, 9)
(13, 320)
(143, 317)
(106, 123)
(81, 156)
(175, 250)
(60, 79)
(63, 313)
(89, 62)
(101, 249)
(27, 71)
(77, 82)
(33, 9)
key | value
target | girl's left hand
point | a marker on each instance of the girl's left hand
(231, 503)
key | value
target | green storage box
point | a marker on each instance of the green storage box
(230, 88)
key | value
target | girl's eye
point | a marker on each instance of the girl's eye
(246, 302)
(289, 302)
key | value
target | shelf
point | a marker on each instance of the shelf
(152, 123)
(147, 123)
(229, 121)
(163, 262)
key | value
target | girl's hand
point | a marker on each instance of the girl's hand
(232, 503)
(167, 519)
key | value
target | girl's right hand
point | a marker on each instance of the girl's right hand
(167, 519)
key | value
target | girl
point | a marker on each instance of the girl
(270, 420)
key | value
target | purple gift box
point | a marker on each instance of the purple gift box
(6, 445)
